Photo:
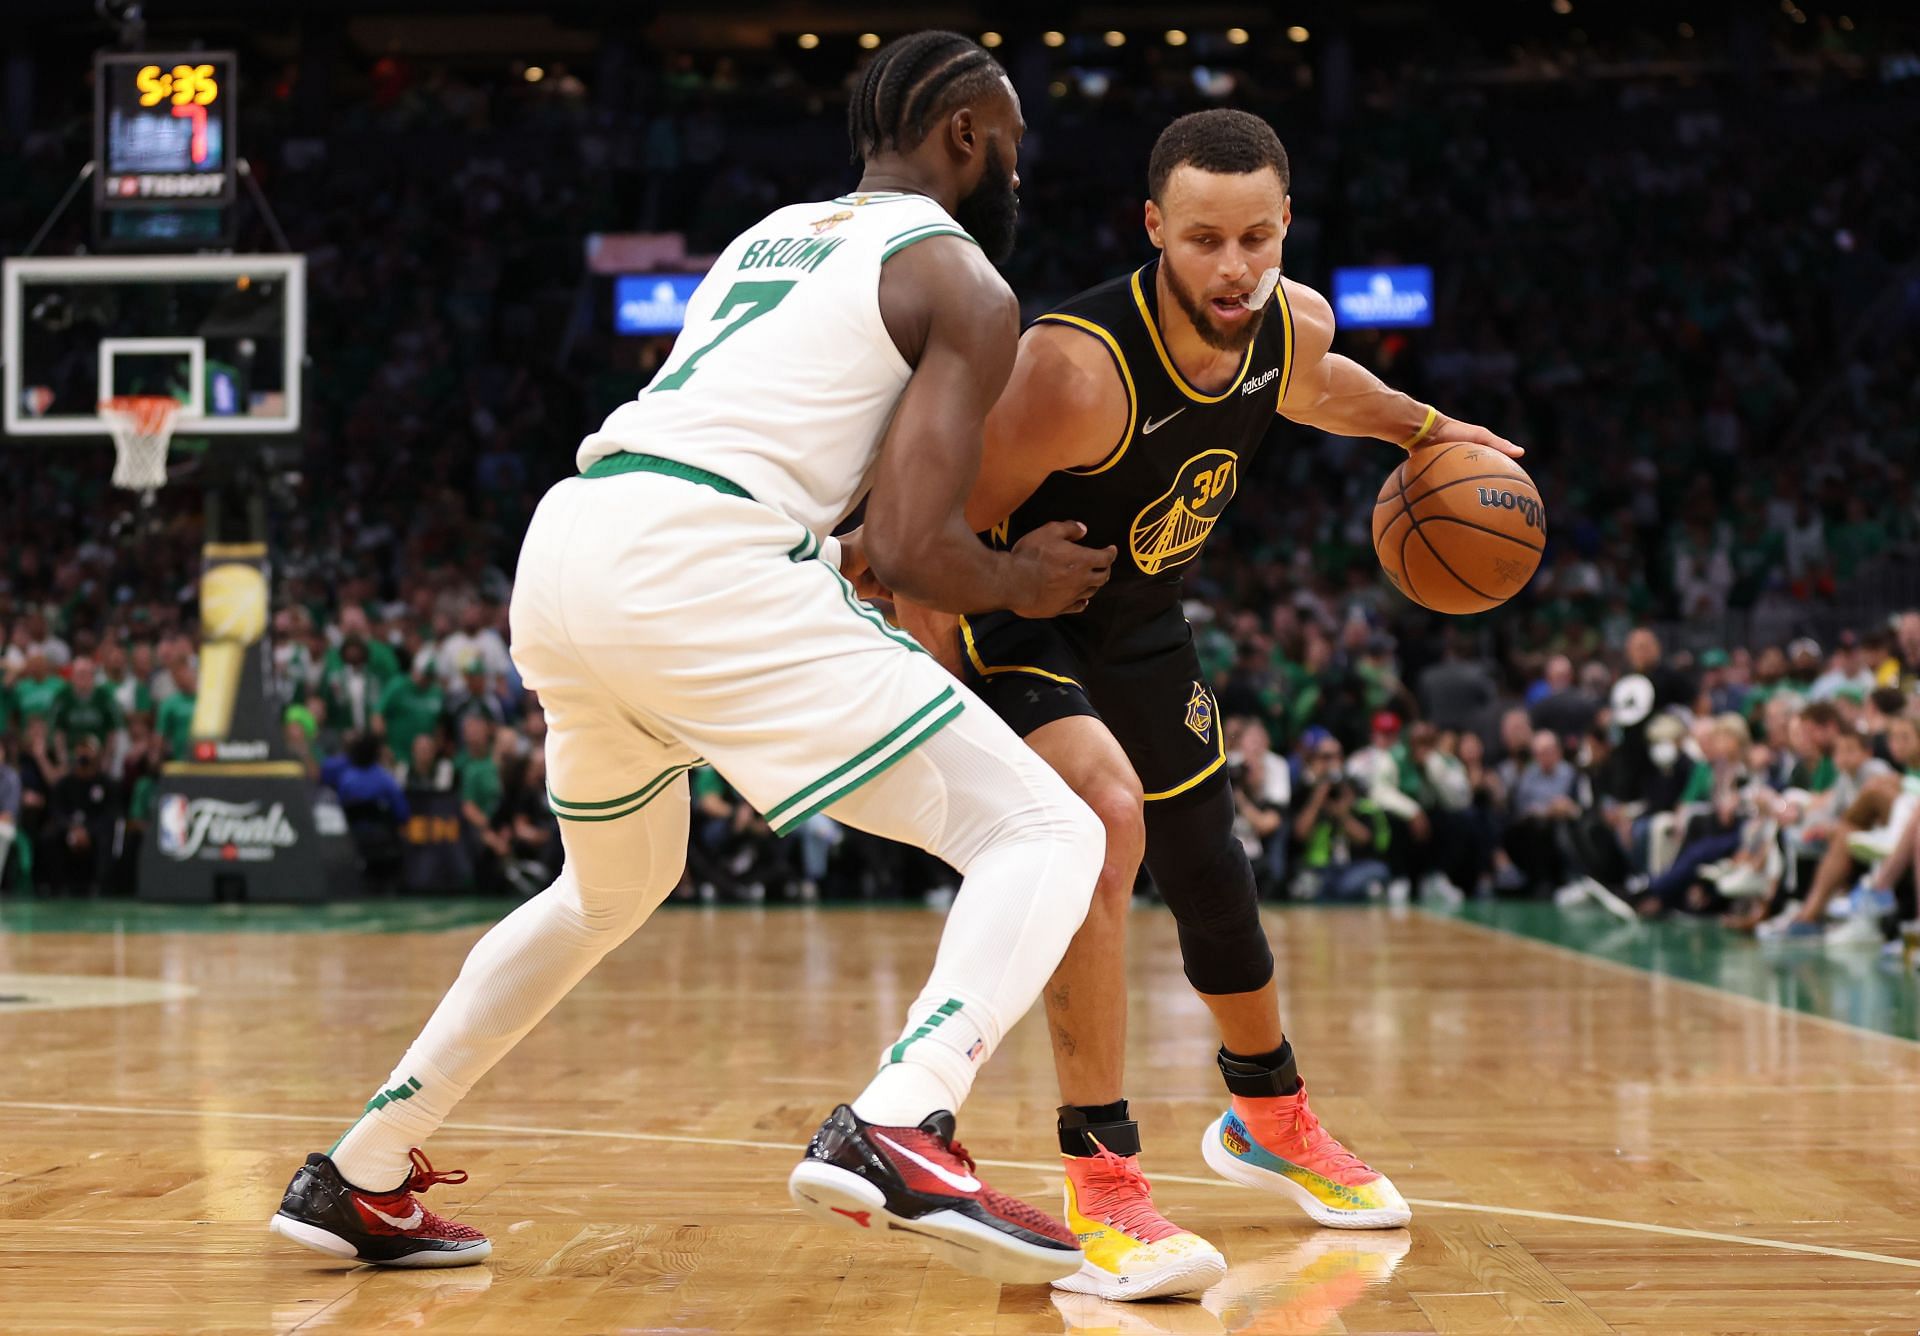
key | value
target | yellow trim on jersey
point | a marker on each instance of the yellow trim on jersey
(1220, 738)
(1173, 372)
(1126, 377)
(1286, 356)
(973, 657)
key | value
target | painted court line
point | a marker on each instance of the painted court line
(1673, 980)
(790, 1148)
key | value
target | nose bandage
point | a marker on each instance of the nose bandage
(1259, 297)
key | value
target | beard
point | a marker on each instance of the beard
(1200, 312)
(991, 213)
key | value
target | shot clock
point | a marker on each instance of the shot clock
(163, 128)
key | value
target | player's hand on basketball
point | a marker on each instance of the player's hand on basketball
(1063, 576)
(1449, 431)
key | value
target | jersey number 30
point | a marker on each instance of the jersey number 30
(756, 298)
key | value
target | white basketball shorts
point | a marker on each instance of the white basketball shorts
(664, 617)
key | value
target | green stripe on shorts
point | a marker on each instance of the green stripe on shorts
(626, 805)
(922, 724)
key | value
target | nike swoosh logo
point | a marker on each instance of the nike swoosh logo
(411, 1222)
(958, 1182)
(1151, 426)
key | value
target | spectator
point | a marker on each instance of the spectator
(350, 689)
(412, 706)
(1342, 837)
(475, 639)
(476, 694)
(1548, 795)
(85, 808)
(480, 793)
(428, 767)
(1262, 792)
(374, 805)
(10, 798)
(1455, 693)
(88, 709)
(175, 721)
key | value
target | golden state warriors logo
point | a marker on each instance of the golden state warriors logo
(830, 222)
(1173, 527)
(1200, 713)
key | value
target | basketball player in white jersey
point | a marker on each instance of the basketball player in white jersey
(682, 600)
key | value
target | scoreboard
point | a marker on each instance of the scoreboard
(163, 129)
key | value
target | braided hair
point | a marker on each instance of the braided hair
(909, 82)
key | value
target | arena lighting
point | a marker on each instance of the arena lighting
(1686, 29)
(809, 40)
(1237, 36)
(1846, 24)
(990, 40)
(1297, 34)
(1175, 37)
(1058, 88)
(869, 40)
(1563, 6)
(1115, 37)
(1054, 38)
(534, 74)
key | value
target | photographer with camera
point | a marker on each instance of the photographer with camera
(1342, 836)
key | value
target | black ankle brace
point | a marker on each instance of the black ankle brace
(1086, 1128)
(1262, 1075)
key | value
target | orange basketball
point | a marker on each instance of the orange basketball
(1459, 528)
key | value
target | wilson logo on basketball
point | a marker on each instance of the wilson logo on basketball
(1529, 507)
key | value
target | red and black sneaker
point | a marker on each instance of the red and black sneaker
(324, 1212)
(919, 1180)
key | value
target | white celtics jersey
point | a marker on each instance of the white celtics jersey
(784, 378)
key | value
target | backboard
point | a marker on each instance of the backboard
(224, 334)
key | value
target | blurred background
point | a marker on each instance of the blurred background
(1671, 249)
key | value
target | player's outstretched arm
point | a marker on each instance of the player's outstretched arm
(955, 321)
(1338, 395)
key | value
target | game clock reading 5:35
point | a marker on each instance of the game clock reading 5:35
(163, 129)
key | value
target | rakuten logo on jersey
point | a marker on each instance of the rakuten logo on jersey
(232, 831)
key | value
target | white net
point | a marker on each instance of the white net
(142, 429)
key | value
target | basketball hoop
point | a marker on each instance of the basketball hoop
(142, 429)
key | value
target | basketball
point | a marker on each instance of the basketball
(1459, 528)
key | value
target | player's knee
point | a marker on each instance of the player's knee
(1115, 801)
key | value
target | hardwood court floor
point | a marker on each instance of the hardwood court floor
(1589, 1148)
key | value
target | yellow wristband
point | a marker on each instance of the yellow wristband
(1433, 416)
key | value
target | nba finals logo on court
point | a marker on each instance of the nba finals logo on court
(831, 221)
(1172, 528)
(1200, 713)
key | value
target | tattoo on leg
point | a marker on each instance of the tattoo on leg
(1065, 1040)
(1059, 996)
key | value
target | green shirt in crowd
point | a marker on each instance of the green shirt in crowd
(35, 697)
(96, 715)
(479, 782)
(175, 724)
(410, 710)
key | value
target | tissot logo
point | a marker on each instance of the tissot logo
(189, 826)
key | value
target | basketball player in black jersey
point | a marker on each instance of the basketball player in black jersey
(1134, 408)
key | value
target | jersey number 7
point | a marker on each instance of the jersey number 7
(757, 298)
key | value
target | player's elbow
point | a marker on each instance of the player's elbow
(902, 557)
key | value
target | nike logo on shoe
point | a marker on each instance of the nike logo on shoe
(1151, 425)
(958, 1182)
(410, 1222)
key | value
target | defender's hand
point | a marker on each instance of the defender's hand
(1062, 575)
(858, 572)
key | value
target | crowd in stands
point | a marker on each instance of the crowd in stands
(1668, 289)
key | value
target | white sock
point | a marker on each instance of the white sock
(981, 799)
(513, 977)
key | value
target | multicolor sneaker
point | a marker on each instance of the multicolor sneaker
(1132, 1251)
(322, 1211)
(1275, 1142)
(920, 1181)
